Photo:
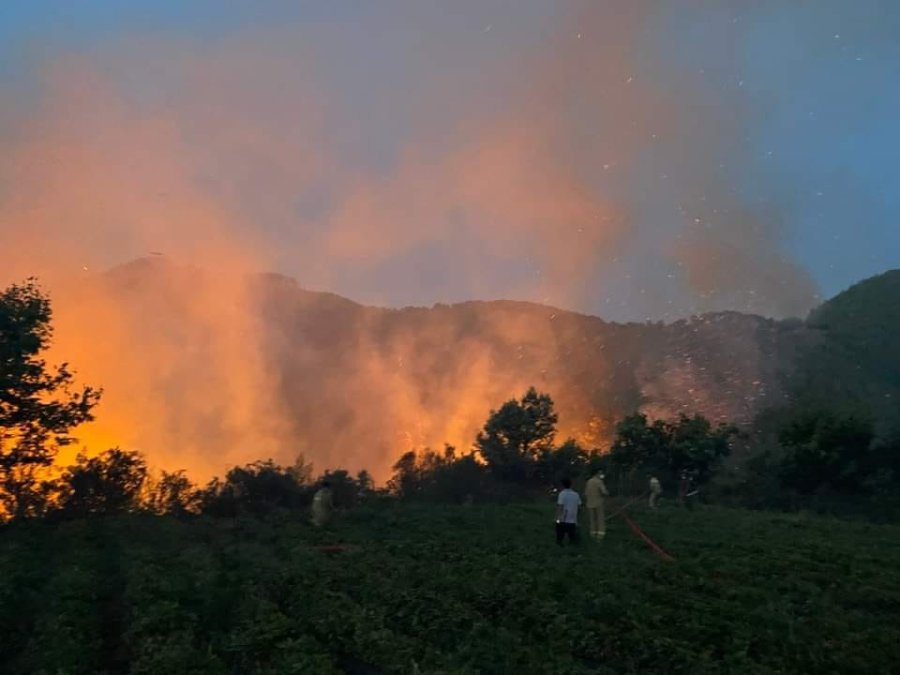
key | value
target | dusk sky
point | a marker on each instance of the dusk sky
(636, 160)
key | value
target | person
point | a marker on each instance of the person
(322, 504)
(655, 491)
(594, 492)
(683, 484)
(690, 490)
(567, 504)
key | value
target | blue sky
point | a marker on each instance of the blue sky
(782, 152)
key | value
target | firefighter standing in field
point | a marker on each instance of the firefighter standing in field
(655, 491)
(595, 491)
(682, 487)
(687, 490)
(322, 505)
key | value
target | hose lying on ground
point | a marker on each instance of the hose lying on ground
(652, 544)
(638, 531)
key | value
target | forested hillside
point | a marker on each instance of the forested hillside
(358, 386)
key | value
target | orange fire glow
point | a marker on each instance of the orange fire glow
(209, 172)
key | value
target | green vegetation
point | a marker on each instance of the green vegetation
(668, 448)
(853, 361)
(834, 444)
(105, 567)
(456, 589)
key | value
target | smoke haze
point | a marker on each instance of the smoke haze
(550, 153)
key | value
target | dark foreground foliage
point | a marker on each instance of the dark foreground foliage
(427, 588)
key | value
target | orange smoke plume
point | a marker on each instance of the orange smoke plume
(234, 157)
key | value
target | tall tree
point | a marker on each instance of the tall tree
(406, 480)
(698, 446)
(39, 405)
(517, 434)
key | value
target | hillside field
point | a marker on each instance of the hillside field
(447, 589)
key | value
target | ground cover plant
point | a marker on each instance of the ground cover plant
(453, 589)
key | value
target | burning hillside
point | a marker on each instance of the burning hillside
(204, 371)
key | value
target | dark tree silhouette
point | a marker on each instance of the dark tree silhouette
(827, 450)
(438, 476)
(107, 484)
(174, 494)
(568, 460)
(690, 444)
(258, 488)
(516, 435)
(38, 404)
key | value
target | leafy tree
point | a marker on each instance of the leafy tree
(415, 474)
(174, 494)
(461, 480)
(569, 459)
(364, 481)
(827, 450)
(406, 480)
(669, 447)
(302, 471)
(639, 443)
(516, 435)
(437, 476)
(38, 404)
(697, 446)
(365, 485)
(344, 489)
(829, 458)
(258, 487)
(451, 477)
(106, 484)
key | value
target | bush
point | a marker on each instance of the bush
(256, 488)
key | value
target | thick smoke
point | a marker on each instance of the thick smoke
(492, 157)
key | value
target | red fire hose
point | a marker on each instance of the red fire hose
(637, 530)
(652, 544)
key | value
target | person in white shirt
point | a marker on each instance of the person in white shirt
(594, 492)
(567, 513)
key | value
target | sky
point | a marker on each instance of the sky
(636, 160)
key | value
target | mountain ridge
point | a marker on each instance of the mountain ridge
(354, 385)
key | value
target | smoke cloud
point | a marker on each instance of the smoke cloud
(428, 156)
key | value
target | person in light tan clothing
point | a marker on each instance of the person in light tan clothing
(595, 491)
(323, 505)
(655, 491)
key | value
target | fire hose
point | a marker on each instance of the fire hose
(635, 528)
(652, 544)
(628, 505)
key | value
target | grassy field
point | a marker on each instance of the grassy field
(450, 589)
